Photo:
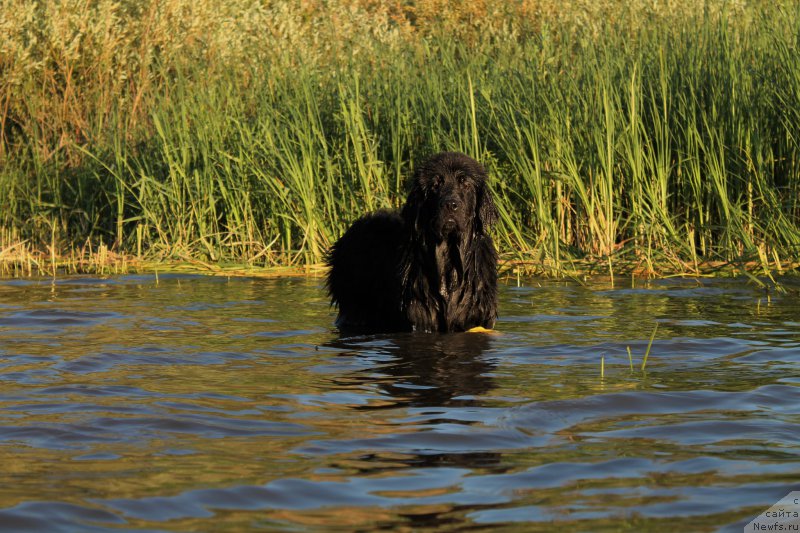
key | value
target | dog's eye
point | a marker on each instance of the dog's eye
(437, 181)
(462, 179)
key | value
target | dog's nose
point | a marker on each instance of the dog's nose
(450, 203)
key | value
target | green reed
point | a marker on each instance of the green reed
(649, 147)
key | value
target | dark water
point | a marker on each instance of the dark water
(205, 404)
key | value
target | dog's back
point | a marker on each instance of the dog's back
(363, 278)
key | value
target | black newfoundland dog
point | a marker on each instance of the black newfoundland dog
(431, 267)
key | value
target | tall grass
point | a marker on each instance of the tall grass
(620, 136)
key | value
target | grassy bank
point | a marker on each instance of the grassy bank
(651, 138)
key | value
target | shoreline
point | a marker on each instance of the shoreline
(20, 261)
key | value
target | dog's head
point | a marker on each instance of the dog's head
(449, 198)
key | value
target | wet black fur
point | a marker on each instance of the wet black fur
(430, 267)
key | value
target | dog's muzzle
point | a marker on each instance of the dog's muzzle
(450, 213)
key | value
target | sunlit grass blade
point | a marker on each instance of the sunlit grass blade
(649, 345)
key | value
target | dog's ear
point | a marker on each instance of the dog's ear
(412, 210)
(485, 211)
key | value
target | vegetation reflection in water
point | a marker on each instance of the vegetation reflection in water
(201, 403)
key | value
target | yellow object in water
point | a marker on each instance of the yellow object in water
(481, 329)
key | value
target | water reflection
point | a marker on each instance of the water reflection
(440, 383)
(424, 370)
